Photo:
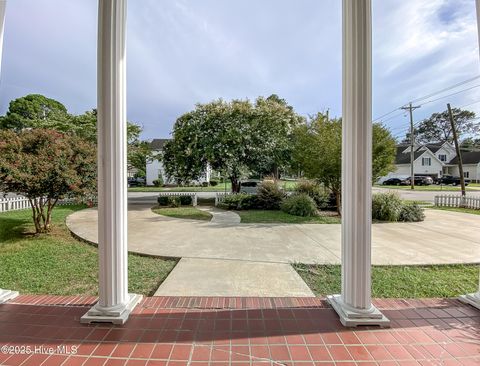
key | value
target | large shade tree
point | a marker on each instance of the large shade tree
(38, 111)
(318, 152)
(45, 166)
(235, 138)
(437, 128)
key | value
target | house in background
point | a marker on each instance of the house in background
(435, 160)
(155, 168)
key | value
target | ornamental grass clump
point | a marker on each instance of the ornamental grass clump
(315, 191)
(386, 206)
(269, 196)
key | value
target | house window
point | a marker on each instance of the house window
(466, 174)
(426, 161)
(442, 157)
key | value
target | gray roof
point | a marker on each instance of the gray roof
(468, 157)
(434, 147)
(157, 144)
(404, 158)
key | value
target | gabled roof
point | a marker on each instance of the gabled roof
(404, 158)
(157, 144)
(468, 157)
(433, 147)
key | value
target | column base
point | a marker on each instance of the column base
(471, 299)
(116, 315)
(351, 318)
(6, 295)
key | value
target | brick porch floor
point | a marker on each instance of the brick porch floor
(240, 331)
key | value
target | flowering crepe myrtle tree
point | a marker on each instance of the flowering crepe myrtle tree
(45, 166)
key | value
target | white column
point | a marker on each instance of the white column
(474, 299)
(354, 305)
(115, 303)
(5, 295)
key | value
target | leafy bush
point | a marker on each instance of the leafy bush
(185, 200)
(240, 201)
(269, 196)
(313, 189)
(386, 206)
(204, 184)
(213, 183)
(300, 205)
(411, 212)
(158, 182)
(169, 201)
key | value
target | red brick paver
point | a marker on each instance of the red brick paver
(237, 331)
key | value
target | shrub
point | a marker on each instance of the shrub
(239, 201)
(386, 206)
(411, 212)
(213, 183)
(168, 201)
(269, 196)
(185, 200)
(204, 184)
(300, 205)
(313, 189)
(158, 182)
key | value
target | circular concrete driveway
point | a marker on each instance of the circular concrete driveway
(444, 237)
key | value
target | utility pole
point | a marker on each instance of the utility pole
(457, 148)
(412, 143)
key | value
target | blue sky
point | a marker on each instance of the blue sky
(186, 51)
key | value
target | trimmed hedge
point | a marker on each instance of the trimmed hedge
(240, 201)
(174, 201)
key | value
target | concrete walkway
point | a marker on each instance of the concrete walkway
(226, 258)
(222, 217)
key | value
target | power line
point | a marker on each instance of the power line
(446, 89)
(449, 95)
(431, 95)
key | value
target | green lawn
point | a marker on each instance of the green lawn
(184, 212)
(457, 209)
(398, 281)
(432, 187)
(273, 216)
(58, 264)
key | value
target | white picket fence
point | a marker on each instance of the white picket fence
(180, 194)
(220, 197)
(22, 203)
(450, 200)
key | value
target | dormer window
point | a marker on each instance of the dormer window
(442, 157)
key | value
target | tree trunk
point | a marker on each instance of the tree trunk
(338, 200)
(235, 184)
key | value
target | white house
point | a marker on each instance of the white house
(435, 160)
(155, 168)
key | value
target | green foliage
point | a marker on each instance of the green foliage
(45, 166)
(35, 111)
(174, 201)
(386, 206)
(158, 182)
(389, 207)
(411, 212)
(269, 196)
(318, 151)
(437, 128)
(315, 191)
(213, 183)
(300, 204)
(240, 201)
(185, 200)
(38, 111)
(235, 138)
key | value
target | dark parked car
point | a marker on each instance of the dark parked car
(394, 182)
(450, 179)
(136, 182)
(420, 181)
